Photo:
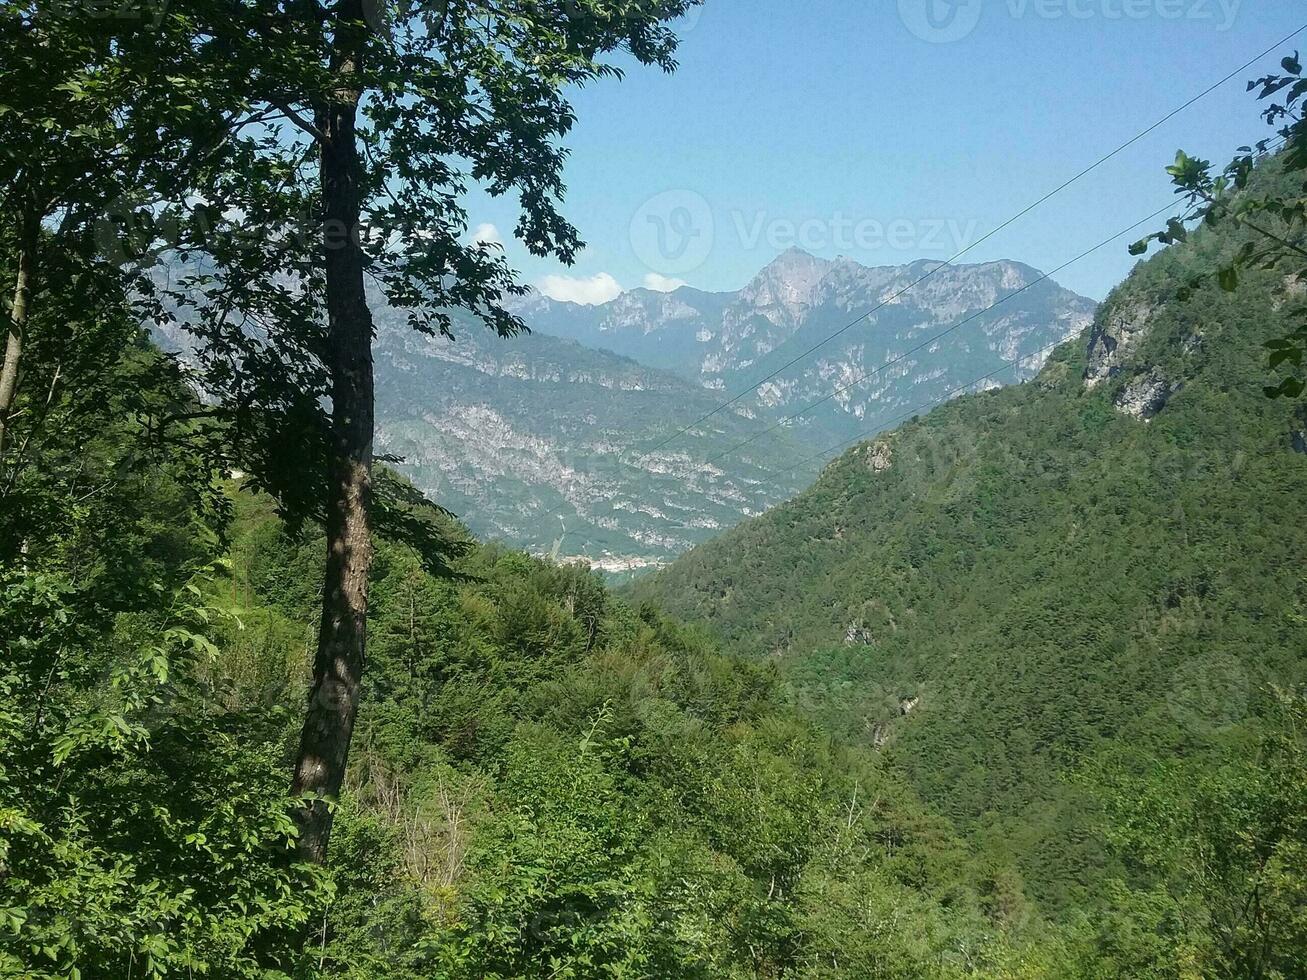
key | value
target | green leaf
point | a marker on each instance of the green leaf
(1288, 388)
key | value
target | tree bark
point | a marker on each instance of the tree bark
(342, 637)
(17, 325)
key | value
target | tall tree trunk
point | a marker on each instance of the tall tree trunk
(17, 323)
(342, 637)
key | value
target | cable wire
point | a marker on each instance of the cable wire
(927, 406)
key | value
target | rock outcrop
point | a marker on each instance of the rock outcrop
(1145, 396)
(880, 457)
(1115, 336)
(858, 635)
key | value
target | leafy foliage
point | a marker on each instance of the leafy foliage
(551, 782)
(1224, 847)
(1277, 214)
(1056, 622)
(144, 828)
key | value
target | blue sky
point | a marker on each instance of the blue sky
(859, 127)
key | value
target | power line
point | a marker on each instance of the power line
(910, 413)
(884, 426)
(931, 340)
(1057, 190)
(927, 406)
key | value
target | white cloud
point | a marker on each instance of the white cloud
(591, 291)
(662, 284)
(487, 234)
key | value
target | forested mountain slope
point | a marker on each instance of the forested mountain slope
(540, 442)
(535, 440)
(556, 437)
(546, 780)
(1012, 584)
(546, 775)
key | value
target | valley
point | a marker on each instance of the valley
(447, 532)
(1021, 583)
(557, 439)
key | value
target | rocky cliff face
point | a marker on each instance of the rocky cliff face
(1146, 395)
(545, 441)
(1115, 337)
(1142, 372)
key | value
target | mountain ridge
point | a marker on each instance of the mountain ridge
(799, 304)
(545, 443)
(589, 437)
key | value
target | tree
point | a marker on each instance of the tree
(94, 108)
(1279, 221)
(386, 117)
(1221, 847)
(144, 825)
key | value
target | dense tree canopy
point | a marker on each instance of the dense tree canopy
(1039, 575)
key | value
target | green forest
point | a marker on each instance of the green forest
(1016, 690)
(547, 780)
(1027, 591)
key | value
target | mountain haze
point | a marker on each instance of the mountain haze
(548, 445)
(553, 441)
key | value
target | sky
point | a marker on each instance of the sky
(893, 130)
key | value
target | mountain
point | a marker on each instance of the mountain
(729, 341)
(550, 445)
(542, 779)
(1021, 582)
(662, 330)
(543, 773)
(553, 441)
(541, 437)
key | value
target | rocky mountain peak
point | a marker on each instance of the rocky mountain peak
(787, 283)
(644, 310)
(726, 341)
